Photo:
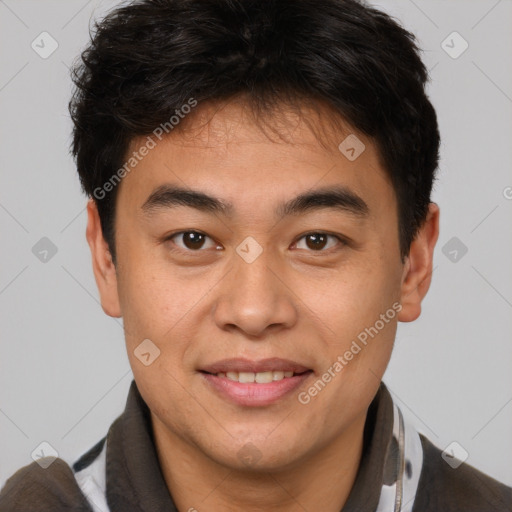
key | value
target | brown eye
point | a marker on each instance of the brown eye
(318, 241)
(191, 240)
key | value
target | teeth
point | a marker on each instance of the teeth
(263, 377)
(246, 377)
(260, 377)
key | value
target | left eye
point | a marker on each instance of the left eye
(318, 241)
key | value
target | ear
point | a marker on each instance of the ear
(417, 273)
(102, 264)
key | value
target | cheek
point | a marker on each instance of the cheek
(148, 291)
(356, 298)
(162, 303)
(360, 310)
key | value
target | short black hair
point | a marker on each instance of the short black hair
(148, 58)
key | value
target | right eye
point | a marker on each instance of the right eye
(190, 240)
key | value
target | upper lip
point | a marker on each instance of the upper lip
(246, 365)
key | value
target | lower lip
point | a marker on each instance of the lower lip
(253, 394)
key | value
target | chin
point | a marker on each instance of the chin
(258, 456)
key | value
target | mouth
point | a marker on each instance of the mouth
(254, 383)
(259, 377)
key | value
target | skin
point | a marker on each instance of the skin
(294, 301)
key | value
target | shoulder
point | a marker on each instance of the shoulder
(33, 488)
(442, 487)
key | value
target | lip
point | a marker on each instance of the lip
(240, 364)
(254, 394)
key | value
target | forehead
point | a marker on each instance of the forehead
(223, 149)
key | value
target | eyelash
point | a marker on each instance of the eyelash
(340, 239)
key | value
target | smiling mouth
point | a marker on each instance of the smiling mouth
(259, 377)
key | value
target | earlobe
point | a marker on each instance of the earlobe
(102, 264)
(417, 273)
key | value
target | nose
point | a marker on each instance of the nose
(255, 298)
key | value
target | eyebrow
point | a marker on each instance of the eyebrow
(335, 197)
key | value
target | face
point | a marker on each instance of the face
(288, 273)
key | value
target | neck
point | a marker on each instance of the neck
(319, 481)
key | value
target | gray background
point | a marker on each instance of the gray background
(64, 374)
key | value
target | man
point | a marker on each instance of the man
(260, 217)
